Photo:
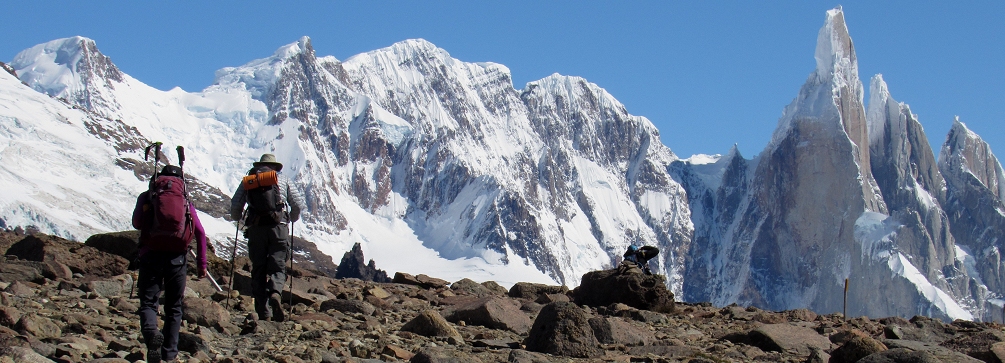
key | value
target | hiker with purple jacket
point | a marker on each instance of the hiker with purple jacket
(167, 224)
(273, 203)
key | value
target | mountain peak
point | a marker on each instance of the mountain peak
(966, 152)
(71, 68)
(834, 46)
(301, 46)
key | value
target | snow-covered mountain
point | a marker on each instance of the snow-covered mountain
(434, 165)
(845, 193)
(443, 167)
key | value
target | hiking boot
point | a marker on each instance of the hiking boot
(276, 303)
(154, 347)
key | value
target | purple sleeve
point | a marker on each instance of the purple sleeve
(200, 237)
(138, 213)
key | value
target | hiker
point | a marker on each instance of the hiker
(272, 204)
(167, 224)
(637, 259)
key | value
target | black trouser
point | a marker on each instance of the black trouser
(162, 271)
(267, 248)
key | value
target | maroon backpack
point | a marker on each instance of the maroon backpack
(170, 228)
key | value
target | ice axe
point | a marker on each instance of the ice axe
(210, 276)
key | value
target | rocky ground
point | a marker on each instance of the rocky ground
(65, 301)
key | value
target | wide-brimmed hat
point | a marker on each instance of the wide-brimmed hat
(270, 161)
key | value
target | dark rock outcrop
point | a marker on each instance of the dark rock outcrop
(352, 266)
(603, 288)
(79, 258)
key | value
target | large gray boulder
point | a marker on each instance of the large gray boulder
(492, 312)
(618, 331)
(856, 348)
(563, 328)
(943, 354)
(788, 337)
(531, 291)
(429, 323)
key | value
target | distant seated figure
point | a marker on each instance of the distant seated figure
(637, 259)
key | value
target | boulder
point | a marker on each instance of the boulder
(348, 306)
(25, 289)
(531, 291)
(919, 328)
(24, 355)
(208, 313)
(900, 355)
(618, 331)
(421, 280)
(523, 356)
(12, 271)
(977, 344)
(38, 326)
(442, 355)
(602, 288)
(116, 286)
(9, 316)
(467, 286)
(122, 244)
(563, 328)
(941, 353)
(492, 312)
(429, 323)
(998, 349)
(495, 288)
(78, 257)
(788, 337)
(856, 348)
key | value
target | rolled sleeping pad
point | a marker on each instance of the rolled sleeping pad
(258, 180)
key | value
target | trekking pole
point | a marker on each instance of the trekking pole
(210, 276)
(292, 237)
(233, 258)
(133, 288)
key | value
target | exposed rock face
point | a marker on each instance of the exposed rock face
(913, 190)
(352, 267)
(9, 69)
(973, 203)
(839, 193)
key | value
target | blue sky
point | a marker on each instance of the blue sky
(708, 74)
